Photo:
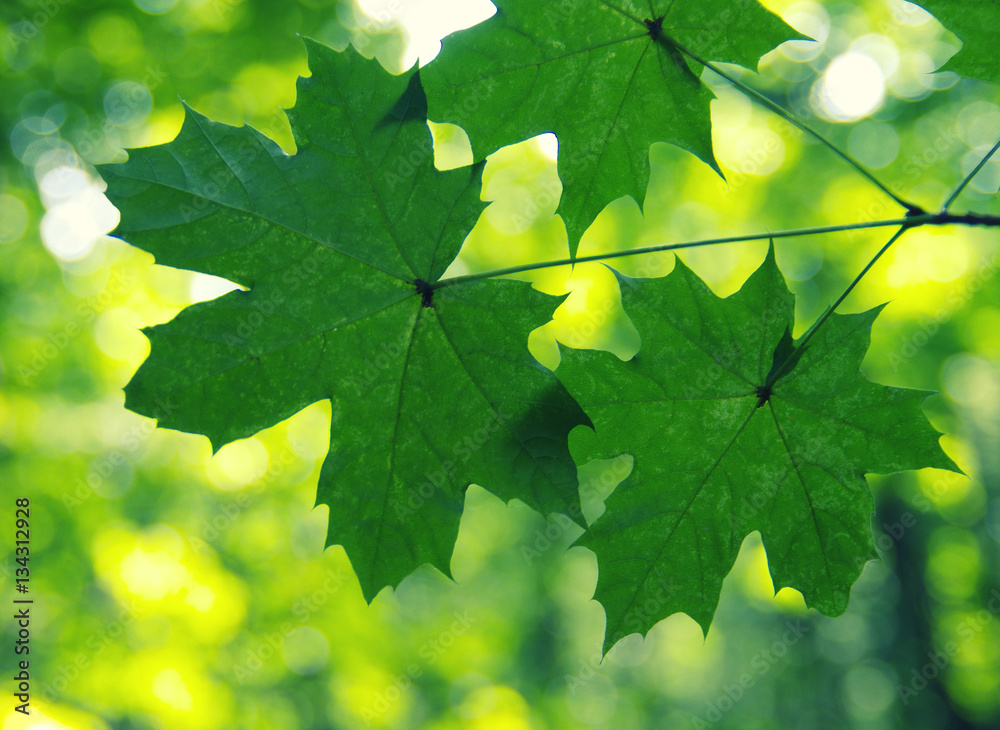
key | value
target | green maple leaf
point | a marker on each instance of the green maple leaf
(717, 456)
(977, 24)
(604, 76)
(430, 390)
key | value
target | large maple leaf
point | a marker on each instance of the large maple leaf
(606, 77)
(720, 451)
(977, 24)
(339, 246)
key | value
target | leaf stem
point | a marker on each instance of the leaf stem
(780, 370)
(968, 178)
(911, 221)
(791, 119)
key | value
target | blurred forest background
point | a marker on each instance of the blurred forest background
(174, 589)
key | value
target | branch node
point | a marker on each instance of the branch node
(426, 292)
(655, 27)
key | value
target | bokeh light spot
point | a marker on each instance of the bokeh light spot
(305, 650)
(127, 104)
(169, 688)
(987, 180)
(200, 597)
(970, 380)
(873, 143)
(238, 464)
(852, 87)
(811, 19)
(153, 575)
(869, 690)
(596, 704)
(115, 40)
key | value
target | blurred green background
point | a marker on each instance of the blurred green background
(174, 589)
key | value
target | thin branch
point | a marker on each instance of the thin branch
(791, 119)
(968, 178)
(934, 219)
(773, 377)
(661, 247)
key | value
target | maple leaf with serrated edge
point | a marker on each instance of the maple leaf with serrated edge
(977, 25)
(719, 455)
(431, 390)
(604, 76)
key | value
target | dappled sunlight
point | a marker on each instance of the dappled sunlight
(425, 22)
(620, 227)
(926, 256)
(158, 567)
(682, 656)
(114, 39)
(238, 464)
(451, 146)
(376, 697)
(592, 317)
(598, 479)
(177, 688)
(752, 575)
(544, 240)
(152, 575)
(522, 184)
